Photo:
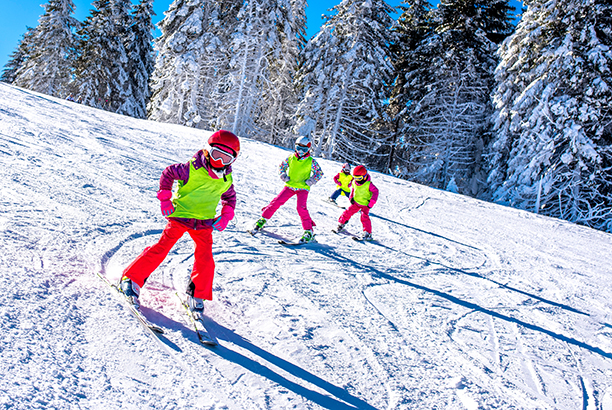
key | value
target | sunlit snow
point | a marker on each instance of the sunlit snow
(460, 304)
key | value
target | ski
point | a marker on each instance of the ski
(360, 239)
(328, 201)
(203, 334)
(294, 243)
(136, 312)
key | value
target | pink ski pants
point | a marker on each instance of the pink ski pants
(282, 197)
(365, 216)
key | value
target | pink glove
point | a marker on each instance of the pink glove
(166, 204)
(221, 221)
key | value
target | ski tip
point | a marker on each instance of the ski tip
(209, 343)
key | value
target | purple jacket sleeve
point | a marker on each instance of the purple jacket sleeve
(337, 179)
(374, 192)
(176, 172)
(229, 197)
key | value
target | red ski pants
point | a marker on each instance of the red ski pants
(282, 197)
(365, 216)
(203, 266)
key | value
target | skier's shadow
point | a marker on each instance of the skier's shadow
(338, 397)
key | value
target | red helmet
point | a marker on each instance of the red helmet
(225, 139)
(223, 148)
(360, 170)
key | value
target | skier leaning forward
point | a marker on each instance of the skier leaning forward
(299, 172)
(364, 195)
(202, 182)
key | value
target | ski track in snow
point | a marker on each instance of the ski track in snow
(459, 304)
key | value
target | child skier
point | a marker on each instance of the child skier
(299, 171)
(343, 180)
(363, 197)
(202, 182)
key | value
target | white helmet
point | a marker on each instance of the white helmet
(302, 145)
(303, 141)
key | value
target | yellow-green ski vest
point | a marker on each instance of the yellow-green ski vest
(345, 180)
(299, 171)
(362, 193)
(199, 197)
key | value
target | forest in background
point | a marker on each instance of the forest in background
(453, 96)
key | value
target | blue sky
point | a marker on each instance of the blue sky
(19, 14)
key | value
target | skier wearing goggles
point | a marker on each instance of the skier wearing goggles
(364, 195)
(203, 182)
(299, 172)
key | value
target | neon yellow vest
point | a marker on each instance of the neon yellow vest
(199, 197)
(299, 171)
(362, 193)
(345, 179)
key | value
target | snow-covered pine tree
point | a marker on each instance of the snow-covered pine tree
(552, 151)
(345, 77)
(141, 56)
(280, 98)
(412, 27)
(257, 80)
(92, 74)
(19, 56)
(52, 50)
(123, 100)
(175, 82)
(101, 79)
(445, 129)
(215, 58)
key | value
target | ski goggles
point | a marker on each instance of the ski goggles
(218, 156)
(359, 177)
(302, 149)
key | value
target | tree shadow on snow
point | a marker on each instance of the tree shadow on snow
(329, 252)
(422, 231)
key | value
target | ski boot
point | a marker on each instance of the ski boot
(307, 237)
(259, 224)
(131, 291)
(366, 236)
(339, 228)
(196, 305)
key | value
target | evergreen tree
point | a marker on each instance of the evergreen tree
(52, 50)
(412, 28)
(101, 79)
(345, 77)
(141, 55)
(123, 99)
(258, 81)
(280, 97)
(215, 58)
(553, 124)
(19, 56)
(176, 79)
(447, 122)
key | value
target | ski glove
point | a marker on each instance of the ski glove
(220, 222)
(310, 181)
(166, 204)
(284, 177)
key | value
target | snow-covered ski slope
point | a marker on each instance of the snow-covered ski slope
(461, 304)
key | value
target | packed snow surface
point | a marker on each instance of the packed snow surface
(459, 304)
